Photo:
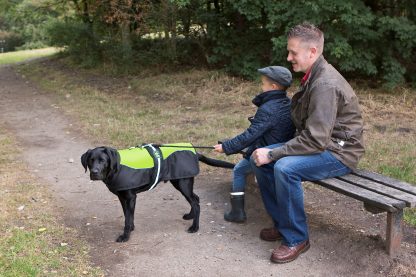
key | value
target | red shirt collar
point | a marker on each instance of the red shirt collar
(306, 77)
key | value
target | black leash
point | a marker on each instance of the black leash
(203, 147)
(242, 152)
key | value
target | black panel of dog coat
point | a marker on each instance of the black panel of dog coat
(181, 164)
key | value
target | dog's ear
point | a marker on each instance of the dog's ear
(114, 159)
(84, 159)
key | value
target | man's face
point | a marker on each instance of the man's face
(300, 54)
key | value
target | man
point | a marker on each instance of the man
(328, 142)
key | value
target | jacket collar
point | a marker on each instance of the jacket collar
(317, 65)
(267, 96)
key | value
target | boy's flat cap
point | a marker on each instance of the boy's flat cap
(279, 74)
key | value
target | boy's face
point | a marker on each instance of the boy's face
(266, 85)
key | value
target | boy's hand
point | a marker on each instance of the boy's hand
(260, 156)
(218, 148)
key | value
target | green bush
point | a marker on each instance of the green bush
(148, 51)
(365, 39)
(32, 45)
(78, 39)
(28, 19)
(10, 41)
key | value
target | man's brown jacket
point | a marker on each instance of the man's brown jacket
(327, 116)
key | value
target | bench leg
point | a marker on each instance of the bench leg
(394, 232)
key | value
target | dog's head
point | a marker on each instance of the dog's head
(101, 161)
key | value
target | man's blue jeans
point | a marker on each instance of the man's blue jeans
(240, 172)
(282, 192)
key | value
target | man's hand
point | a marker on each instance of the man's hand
(218, 148)
(260, 156)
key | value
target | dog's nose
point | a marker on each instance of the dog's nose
(94, 171)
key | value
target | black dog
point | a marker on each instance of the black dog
(104, 164)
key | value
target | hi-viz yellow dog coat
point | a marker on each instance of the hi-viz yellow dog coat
(145, 166)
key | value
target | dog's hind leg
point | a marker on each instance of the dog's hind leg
(128, 202)
(192, 212)
(185, 186)
(194, 197)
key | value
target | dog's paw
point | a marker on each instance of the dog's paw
(122, 238)
(193, 229)
(188, 216)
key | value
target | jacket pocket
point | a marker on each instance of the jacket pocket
(334, 145)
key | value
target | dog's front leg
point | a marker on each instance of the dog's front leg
(123, 204)
(129, 206)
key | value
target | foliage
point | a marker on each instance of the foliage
(9, 41)
(364, 38)
(28, 20)
(79, 39)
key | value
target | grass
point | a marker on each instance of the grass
(19, 56)
(170, 108)
(390, 133)
(202, 106)
(390, 136)
(33, 242)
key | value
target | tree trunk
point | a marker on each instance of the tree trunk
(126, 40)
(169, 15)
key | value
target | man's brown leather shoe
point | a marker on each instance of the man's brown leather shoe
(285, 254)
(270, 234)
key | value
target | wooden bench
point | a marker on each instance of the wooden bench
(379, 194)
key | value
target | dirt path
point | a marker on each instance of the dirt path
(344, 239)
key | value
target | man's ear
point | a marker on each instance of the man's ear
(114, 159)
(314, 51)
(84, 159)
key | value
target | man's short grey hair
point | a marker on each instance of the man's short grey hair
(309, 33)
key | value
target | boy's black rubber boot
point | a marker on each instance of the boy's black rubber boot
(237, 213)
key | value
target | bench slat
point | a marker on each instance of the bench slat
(386, 181)
(367, 196)
(380, 188)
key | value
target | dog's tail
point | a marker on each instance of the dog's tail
(214, 162)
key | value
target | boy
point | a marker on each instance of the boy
(271, 124)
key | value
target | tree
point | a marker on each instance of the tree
(28, 19)
(241, 36)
